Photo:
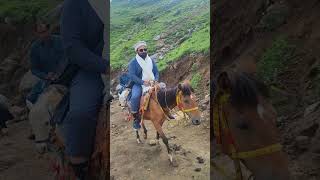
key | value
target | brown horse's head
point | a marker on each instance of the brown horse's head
(187, 102)
(251, 120)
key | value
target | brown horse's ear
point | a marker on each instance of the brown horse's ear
(186, 82)
(180, 86)
(224, 82)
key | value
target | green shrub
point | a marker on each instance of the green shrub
(274, 59)
(198, 43)
(25, 11)
(195, 81)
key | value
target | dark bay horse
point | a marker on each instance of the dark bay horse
(180, 96)
(244, 126)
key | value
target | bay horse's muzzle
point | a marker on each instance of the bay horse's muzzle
(195, 121)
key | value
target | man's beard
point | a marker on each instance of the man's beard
(143, 55)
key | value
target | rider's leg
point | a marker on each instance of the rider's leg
(79, 125)
(135, 105)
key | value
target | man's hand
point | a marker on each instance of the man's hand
(146, 83)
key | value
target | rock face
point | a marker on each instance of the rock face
(302, 142)
(235, 21)
(274, 17)
(27, 81)
(8, 39)
(311, 108)
(7, 68)
(4, 101)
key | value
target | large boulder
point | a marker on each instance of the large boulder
(27, 82)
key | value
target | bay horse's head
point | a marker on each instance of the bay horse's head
(187, 103)
(241, 101)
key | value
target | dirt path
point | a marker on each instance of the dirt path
(18, 157)
(130, 160)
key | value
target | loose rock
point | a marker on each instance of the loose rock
(200, 160)
(197, 169)
(152, 142)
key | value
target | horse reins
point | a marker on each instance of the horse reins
(220, 123)
(180, 105)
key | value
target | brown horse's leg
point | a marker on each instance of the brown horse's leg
(145, 131)
(138, 137)
(163, 137)
(157, 138)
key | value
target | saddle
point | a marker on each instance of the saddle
(145, 99)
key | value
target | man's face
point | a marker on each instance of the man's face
(42, 31)
(142, 51)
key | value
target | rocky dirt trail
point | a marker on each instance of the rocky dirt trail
(18, 156)
(130, 160)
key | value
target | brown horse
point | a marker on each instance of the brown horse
(180, 96)
(244, 126)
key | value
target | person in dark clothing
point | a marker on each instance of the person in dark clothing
(47, 59)
(5, 115)
(82, 36)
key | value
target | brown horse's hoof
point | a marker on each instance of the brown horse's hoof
(172, 161)
(139, 141)
(170, 157)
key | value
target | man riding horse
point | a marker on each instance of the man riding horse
(47, 59)
(142, 71)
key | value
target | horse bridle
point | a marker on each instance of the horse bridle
(220, 123)
(179, 102)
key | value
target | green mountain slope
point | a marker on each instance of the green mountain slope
(172, 29)
(26, 10)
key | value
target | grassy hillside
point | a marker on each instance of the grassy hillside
(172, 28)
(25, 10)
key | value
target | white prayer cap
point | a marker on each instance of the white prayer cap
(139, 44)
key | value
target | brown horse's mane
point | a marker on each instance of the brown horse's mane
(245, 89)
(169, 94)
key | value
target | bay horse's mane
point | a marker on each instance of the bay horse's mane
(169, 94)
(245, 89)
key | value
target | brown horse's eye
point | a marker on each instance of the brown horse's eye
(242, 125)
(186, 101)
